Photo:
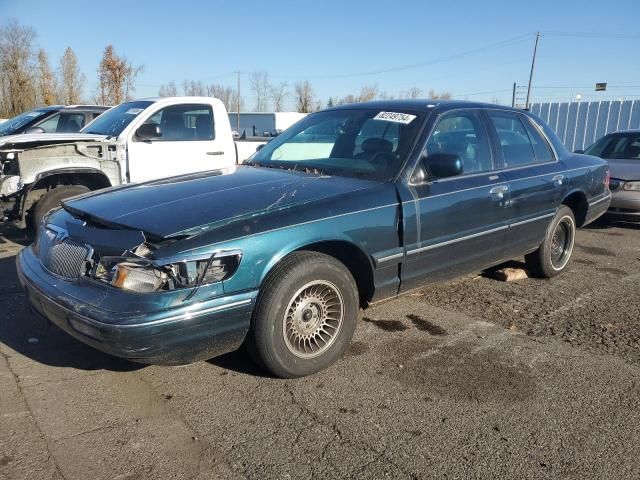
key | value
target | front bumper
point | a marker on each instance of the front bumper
(625, 205)
(171, 336)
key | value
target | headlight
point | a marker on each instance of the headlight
(633, 186)
(144, 275)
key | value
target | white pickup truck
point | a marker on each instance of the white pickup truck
(134, 142)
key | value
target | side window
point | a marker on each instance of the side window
(462, 134)
(185, 122)
(514, 139)
(50, 125)
(540, 145)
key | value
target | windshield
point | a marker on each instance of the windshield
(369, 143)
(114, 121)
(13, 124)
(620, 145)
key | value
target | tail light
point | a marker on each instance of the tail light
(607, 179)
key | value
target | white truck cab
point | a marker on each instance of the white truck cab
(136, 141)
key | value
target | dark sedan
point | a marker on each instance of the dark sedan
(622, 151)
(349, 206)
(53, 119)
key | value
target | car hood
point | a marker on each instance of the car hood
(15, 141)
(624, 169)
(192, 204)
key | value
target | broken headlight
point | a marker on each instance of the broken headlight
(143, 275)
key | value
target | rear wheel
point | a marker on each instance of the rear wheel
(51, 200)
(553, 256)
(305, 316)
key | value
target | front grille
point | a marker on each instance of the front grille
(62, 257)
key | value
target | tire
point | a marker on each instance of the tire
(554, 254)
(51, 200)
(305, 315)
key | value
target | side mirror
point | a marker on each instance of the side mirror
(578, 151)
(443, 165)
(34, 130)
(149, 131)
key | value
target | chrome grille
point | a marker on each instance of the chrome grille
(60, 255)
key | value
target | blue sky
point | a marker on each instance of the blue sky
(341, 45)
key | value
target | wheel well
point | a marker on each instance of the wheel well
(354, 259)
(91, 180)
(577, 202)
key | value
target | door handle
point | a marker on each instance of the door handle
(215, 153)
(557, 180)
(497, 193)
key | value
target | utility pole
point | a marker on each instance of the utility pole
(238, 105)
(513, 96)
(533, 63)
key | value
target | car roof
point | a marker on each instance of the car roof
(424, 104)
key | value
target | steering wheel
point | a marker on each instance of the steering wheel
(382, 160)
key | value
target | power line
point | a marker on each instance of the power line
(503, 43)
(591, 34)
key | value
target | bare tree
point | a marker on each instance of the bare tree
(193, 88)
(116, 76)
(441, 95)
(169, 90)
(368, 93)
(259, 81)
(17, 88)
(413, 92)
(228, 95)
(46, 81)
(279, 93)
(71, 78)
(304, 97)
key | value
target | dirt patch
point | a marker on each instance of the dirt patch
(463, 373)
(387, 325)
(426, 326)
(602, 252)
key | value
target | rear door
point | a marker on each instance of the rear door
(189, 143)
(457, 224)
(534, 174)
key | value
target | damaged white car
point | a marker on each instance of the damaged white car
(136, 141)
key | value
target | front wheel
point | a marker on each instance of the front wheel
(52, 199)
(554, 254)
(305, 316)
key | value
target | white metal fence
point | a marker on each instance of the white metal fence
(579, 124)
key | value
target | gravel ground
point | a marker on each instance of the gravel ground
(469, 379)
(593, 305)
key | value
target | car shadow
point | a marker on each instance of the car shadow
(239, 362)
(27, 334)
(604, 223)
(12, 234)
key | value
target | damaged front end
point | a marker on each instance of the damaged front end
(28, 169)
(112, 288)
(125, 259)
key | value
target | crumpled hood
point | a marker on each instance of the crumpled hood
(27, 138)
(190, 204)
(624, 169)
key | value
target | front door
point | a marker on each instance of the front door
(188, 144)
(456, 224)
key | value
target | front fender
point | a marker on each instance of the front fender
(370, 231)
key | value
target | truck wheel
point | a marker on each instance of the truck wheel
(52, 199)
(553, 256)
(305, 315)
